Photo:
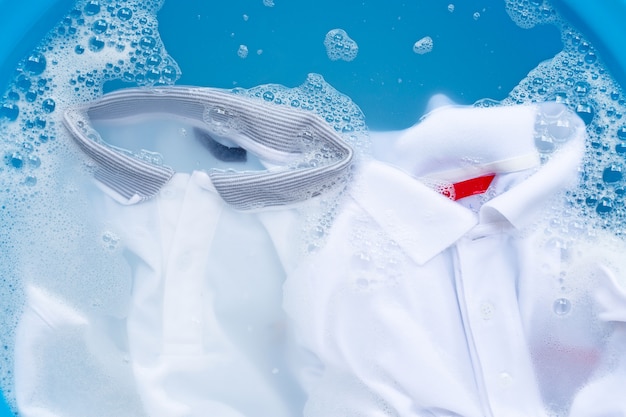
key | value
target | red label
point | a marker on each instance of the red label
(471, 187)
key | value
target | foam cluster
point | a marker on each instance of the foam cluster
(578, 78)
(529, 13)
(96, 42)
(339, 46)
(423, 45)
(42, 208)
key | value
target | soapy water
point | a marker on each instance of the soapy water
(42, 213)
(578, 78)
(100, 41)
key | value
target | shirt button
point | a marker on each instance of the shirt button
(506, 380)
(168, 193)
(487, 310)
(184, 261)
(562, 306)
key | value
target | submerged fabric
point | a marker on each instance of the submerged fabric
(419, 305)
(204, 333)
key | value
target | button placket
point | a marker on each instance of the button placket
(494, 327)
(183, 303)
(170, 201)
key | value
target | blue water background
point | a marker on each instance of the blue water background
(471, 58)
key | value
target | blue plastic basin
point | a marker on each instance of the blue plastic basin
(24, 23)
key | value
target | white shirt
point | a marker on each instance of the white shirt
(423, 306)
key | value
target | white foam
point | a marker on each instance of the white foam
(578, 78)
(42, 193)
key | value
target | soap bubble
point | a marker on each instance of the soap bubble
(124, 14)
(9, 111)
(562, 306)
(92, 8)
(147, 42)
(612, 173)
(35, 64)
(96, 44)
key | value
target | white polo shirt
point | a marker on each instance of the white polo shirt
(423, 306)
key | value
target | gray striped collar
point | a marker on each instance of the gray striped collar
(276, 134)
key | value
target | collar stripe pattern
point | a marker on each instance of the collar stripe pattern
(275, 133)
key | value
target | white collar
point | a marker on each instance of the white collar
(424, 223)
